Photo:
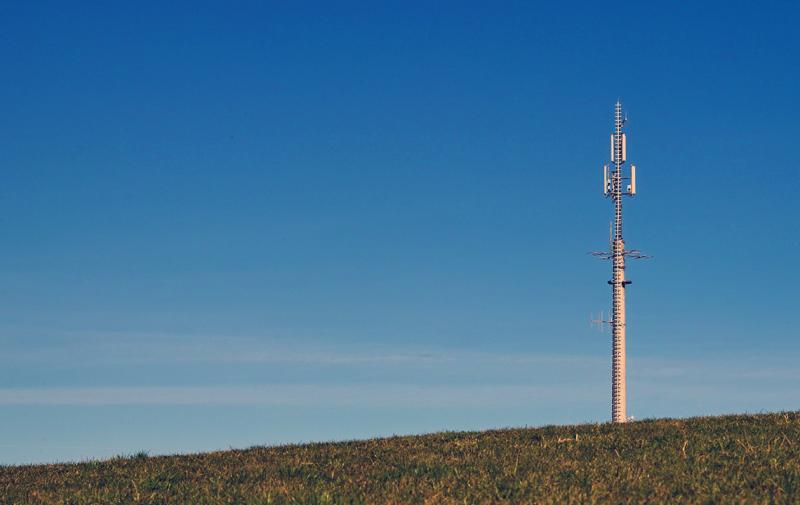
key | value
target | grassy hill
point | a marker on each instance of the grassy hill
(741, 459)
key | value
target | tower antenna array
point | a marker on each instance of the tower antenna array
(613, 188)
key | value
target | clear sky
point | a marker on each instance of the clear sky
(239, 223)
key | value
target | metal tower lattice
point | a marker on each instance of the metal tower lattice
(613, 188)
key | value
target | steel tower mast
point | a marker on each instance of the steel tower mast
(613, 188)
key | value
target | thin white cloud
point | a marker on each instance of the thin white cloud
(135, 349)
(372, 395)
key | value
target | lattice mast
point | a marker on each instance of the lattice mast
(619, 391)
(613, 188)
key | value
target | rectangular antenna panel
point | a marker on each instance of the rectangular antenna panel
(612, 148)
(624, 147)
(633, 180)
(605, 180)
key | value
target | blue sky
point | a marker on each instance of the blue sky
(227, 225)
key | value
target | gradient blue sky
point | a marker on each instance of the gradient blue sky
(234, 223)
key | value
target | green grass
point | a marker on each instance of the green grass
(731, 459)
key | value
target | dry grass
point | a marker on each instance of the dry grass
(731, 459)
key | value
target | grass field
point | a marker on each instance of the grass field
(731, 459)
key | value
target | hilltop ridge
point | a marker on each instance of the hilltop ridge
(737, 458)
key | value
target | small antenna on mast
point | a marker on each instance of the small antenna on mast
(600, 322)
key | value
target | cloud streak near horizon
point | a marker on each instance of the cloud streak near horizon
(282, 373)
(296, 395)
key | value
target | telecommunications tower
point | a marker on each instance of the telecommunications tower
(616, 185)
